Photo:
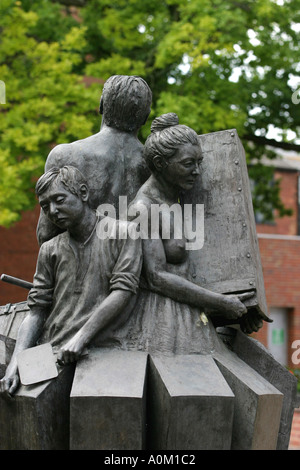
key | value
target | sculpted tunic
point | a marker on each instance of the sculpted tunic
(72, 279)
(161, 324)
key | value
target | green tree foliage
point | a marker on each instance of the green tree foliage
(46, 102)
(218, 64)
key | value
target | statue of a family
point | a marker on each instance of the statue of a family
(129, 290)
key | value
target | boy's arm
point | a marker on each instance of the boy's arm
(102, 316)
(124, 284)
(28, 335)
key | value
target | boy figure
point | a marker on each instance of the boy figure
(84, 286)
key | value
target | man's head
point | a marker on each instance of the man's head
(63, 195)
(125, 102)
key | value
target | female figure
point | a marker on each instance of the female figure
(169, 315)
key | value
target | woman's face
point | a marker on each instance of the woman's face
(183, 168)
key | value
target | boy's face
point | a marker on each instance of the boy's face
(62, 207)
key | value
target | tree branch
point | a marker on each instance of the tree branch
(243, 6)
(71, 3)
(272, 142)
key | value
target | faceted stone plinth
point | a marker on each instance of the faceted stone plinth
(37, 417)
(258, 405)
(11, 317)
(108, 400)
(190, 405)
(260, 359)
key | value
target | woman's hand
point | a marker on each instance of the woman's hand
(251, 323)
(234, 307)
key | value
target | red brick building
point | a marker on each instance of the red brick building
(279, 245)
(18, 255)
(280, 254)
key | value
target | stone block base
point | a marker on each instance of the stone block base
(190, 405)
(37, 417)
(108, 401)
(258, 405)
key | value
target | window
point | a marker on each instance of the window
(278, 335)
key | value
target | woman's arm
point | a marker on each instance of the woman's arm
(181, 289)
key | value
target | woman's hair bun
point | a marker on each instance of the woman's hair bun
(163, 122)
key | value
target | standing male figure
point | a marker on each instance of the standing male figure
(111, 160)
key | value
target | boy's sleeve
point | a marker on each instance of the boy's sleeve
(127, 270)
(41, 295)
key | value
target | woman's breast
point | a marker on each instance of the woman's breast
(175, 251)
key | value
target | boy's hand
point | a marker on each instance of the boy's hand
(71, 351)
(9, 384)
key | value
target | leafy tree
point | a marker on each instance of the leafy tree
(46, 103)
(218, 64)
(190, 53)
(187, 51)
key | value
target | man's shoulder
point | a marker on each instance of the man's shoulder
(70, 153)
(59, 156)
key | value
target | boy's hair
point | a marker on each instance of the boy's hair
(69, 176)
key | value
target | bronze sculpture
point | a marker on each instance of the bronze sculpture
(167, 317)
(83, 285)
(85, 290)
(111, 160)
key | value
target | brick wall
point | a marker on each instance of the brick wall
(295, 432)
(287, 225)
(280, 257)
(280, 254)
(18, 255)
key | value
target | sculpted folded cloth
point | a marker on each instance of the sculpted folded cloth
(72, 279)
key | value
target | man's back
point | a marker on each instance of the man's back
(110, 160)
